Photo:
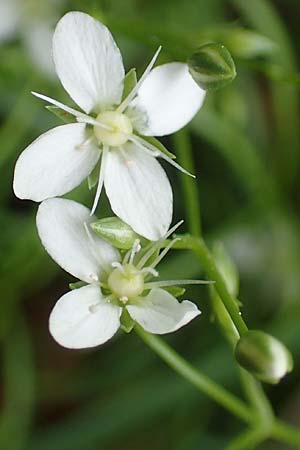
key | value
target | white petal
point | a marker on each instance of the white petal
(168, 99)
(139, 191)
(88, 62)
(161, 313)
(82, 318)
(61, 228)
(54, 164)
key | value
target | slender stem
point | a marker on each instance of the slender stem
(249, 439)
(257, 397)
(201, 250)
(286, 433)
(199, 380)
(184, 151)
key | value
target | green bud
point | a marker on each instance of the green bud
(264, 356)
(227, 268)
(248, 44)
(212, 66)
(116, 232)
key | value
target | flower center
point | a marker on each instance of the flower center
(126, 282)
(118, 128)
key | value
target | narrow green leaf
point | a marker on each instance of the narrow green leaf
(76, 285)
(61, 114)
(159, 146)
(130, 81)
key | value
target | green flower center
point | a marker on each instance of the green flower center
(126, 282)
(118, 130)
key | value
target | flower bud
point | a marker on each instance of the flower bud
(212, 66)
(116, 232)
(264, 356)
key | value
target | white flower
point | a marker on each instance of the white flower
(90, 67)
(90, 315)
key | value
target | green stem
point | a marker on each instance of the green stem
(199, 380)
(249, 439)
(199, 247)
(285, 433)
(257, 397)
(185, 157)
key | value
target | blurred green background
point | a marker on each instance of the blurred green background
(246, 147)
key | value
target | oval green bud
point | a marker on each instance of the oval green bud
(264, 356)
(212, 66)
(116, 232)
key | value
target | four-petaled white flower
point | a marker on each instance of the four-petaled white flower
(90, 315)
(90, 68)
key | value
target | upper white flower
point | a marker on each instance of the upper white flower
(90, 315)
(90, 67)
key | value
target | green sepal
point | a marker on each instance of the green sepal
(176, 291)
(93, 177)
(77, 285)
(130, 81)
(61, 114)
(127, 323)
(212, 66)
(156, 143)
(116, 232)
(264, 356)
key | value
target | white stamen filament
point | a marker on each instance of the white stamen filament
(157, 245)
(117, 265)
(96, 255)
(164, 252)
(161, 284)
(101, 179)
(80, 117)
(150, 270)
(85, 143)
(134, 91)
(140, 142)
(135, 249)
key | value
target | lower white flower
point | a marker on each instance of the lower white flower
(111, 128)
(90, 315)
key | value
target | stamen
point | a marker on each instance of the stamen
(80, 117)
(118, 265)
(161, 284)
(150, 270)
(135, 249)
(94, 277)
(60, 105)
(96, 255)
(85, 143)
(101, 179)
(140, 142)
(134, 91)
(164, 252)
(157, 245)
(124, 299)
